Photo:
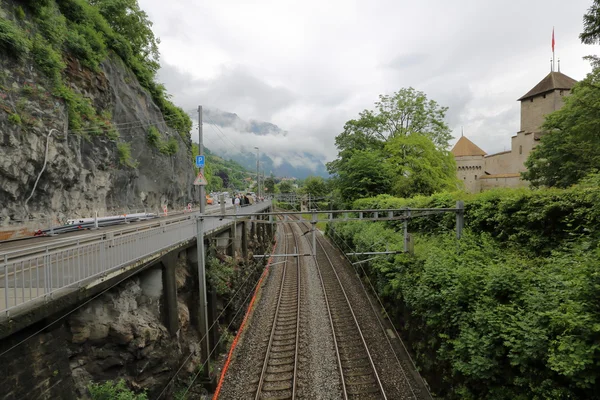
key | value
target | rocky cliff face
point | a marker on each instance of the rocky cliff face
(84, 170)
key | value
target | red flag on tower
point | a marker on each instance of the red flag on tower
(553, 39)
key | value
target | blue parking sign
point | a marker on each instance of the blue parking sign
(200, 161)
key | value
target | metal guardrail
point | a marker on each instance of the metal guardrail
(46, 270)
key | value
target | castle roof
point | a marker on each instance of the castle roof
(464, 147)
(552, 81)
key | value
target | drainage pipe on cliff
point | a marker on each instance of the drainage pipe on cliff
(43, 167)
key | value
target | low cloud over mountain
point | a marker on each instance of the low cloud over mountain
(229, 136)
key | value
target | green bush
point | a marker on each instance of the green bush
(111, 391)
(12, 39)
(53, 25)
(19, 13)
(124, 151)
(153, 137)
(15, 119)
(48, 60)
(538, 220)
(170, 148)
(487, 322)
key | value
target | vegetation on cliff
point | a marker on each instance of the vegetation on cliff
(52, 33)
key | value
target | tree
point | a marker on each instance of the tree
(368, 162)
(315, 186)
(418, 167)
(127, 19)
(269, 184)
(570, 148)
(286, 187)
(364, 174)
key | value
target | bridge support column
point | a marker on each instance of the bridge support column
(231, 242)
(245, 240)
(169, 282)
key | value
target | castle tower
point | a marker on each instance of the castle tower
(469, 163)
(545, 97)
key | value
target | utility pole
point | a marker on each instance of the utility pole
(203, 312)
(257, 176)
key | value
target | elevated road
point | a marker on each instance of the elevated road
(39, 269)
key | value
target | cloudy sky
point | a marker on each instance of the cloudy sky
(308, 66)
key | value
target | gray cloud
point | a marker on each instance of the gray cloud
(309, 66)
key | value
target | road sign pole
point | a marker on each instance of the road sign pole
(203, 314)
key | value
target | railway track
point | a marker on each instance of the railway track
(280, 366)
(359, 377)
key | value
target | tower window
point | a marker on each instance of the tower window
(520, 149)
(544, 96)
(475, 177)
(531, 100)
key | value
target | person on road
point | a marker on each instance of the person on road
(236, 202)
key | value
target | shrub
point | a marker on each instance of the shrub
(12, 39)
(111, 391)
(153, 137)
(124, 151)
(53, 25)
(170, 148)
(496, 323)
(539, 220)
(20, 13)
(48, 60)
(15, 119)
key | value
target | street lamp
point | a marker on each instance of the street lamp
(257, 177)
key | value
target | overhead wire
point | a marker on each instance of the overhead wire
(213, 324)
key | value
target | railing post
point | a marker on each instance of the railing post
(47, 274)
(406, 236)
(6, 283)
(460, 218)
(313, 222)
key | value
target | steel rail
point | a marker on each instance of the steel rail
(335, 342)
(355, 321)
(263, 374)
(366, 347)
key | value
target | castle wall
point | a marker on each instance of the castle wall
(488, 183)
(499, 163)
(522, 145)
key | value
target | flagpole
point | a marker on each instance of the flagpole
(553, 57)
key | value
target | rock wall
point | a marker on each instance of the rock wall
(83, 172)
